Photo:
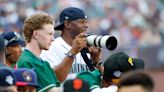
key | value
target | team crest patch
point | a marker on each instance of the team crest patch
(27, 76)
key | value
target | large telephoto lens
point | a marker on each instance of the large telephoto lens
(107, 41)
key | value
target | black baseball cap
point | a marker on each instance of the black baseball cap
(70, 13)
(76, 85)
(119, 63)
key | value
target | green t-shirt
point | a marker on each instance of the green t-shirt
(46, 76)
(93, 78)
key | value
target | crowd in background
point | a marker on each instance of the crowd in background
(137, 24)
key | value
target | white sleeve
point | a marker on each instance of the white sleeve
(107, 89)
(51, 56)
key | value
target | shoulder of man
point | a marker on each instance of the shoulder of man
(24, 60)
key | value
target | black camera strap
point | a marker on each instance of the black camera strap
(84, 52)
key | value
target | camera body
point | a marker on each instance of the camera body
(107, 41)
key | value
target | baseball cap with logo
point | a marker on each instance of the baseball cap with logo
(76, 85)
(12, 38)
(25, 77)
(70, 13)
(7, 77)
(119, 63)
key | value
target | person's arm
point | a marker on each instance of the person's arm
(95, 53)
(64, 67)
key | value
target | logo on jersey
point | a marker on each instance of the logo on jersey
(76, 68)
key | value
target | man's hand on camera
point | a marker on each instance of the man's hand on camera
(95, 53)
(79, 43)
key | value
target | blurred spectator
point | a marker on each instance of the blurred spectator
(13, 47)
(136, 81)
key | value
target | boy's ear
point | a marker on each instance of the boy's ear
(35, 34)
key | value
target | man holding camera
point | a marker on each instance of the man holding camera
(73, 21)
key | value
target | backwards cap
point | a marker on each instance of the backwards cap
(119, 63)
(71, 13)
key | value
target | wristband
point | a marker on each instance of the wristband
(69, 54)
